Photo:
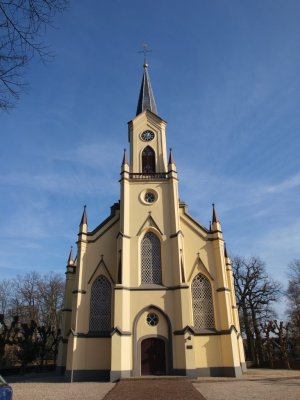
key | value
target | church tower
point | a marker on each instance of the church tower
(151, 290)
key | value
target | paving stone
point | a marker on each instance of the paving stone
(154, 389)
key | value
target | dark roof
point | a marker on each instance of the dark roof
(146, 98)
(171, 159)
(84, 217)
(70, 259)
(214, 216)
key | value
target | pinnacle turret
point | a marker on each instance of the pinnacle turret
(125, 160)
(216, 226)
(146, 98)
(225, 251)
(70, 258)
(171, 159)
(83, 218)
(214, 215)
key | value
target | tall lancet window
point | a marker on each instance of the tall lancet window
(148, 160)
(100, 311)
(150, 259)
(202, 303)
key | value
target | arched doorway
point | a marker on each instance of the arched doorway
(142, 331)
(153, 356)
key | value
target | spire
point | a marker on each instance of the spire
(225, 251)
(146, 98)
(125, 160)
(84, 217)
(214, 216)
(70, 259)
(171, 159)
(216, 226)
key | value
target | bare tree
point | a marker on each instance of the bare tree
(6, 291)
(30, 329)
(8, 334)
(27, 300)
(27, 346)
(293, 299)
(22, 23)
(256, 293)
(51, 290)
(277, 344)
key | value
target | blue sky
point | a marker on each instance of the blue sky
(225, 76)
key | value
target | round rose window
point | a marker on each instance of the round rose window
(149, 197)
(152, 319)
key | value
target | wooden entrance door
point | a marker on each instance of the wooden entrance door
(153, 357)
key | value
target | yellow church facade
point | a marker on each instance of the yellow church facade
(150, 291)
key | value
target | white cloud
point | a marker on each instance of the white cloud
(233, 193)
(289, 183)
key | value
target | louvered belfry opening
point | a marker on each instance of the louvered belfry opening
(150, 259)
(202, 303)
(100, 311)
(148, 160)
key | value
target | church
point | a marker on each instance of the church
(150, 291)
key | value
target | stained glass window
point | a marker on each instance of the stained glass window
(202, 302)
(150, 257)
(100, 312)
(148, 160)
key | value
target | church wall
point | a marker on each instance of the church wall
(93, 265)
(88, 359)
(138, 227)
(121, 360)
(91, 353)
(143, 329)
(196, 245)
(187, 249)
(179, 354)
(70, 347)
(230, 352)
(105, 245)
(207, 351)
(136, 127)
(206, 257)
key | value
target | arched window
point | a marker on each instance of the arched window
(202, 303)
(100, 312)
(148, 160)
(150, 258)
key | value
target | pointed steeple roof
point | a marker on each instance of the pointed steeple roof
(214, 215)
(146, 98)
(84, 217)
(225, 251)
(70, 259)
(171, 159)
(125, 160)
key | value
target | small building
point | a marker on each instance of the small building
(151, 290)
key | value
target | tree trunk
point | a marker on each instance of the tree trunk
(258, 340)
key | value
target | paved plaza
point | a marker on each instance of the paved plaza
(256, 384)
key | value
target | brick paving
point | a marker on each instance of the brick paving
(154, 389)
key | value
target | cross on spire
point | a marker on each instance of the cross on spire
(145, 51)
(146, 99)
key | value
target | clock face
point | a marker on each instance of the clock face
(147, 136)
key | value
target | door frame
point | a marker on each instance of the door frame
(165, 340)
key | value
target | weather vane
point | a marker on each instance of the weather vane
(145, 51)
